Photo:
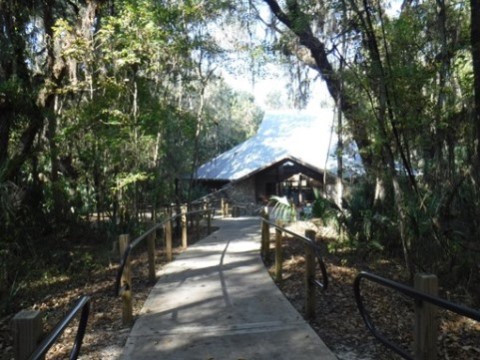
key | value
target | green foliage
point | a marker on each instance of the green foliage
(406, 83)
(124, 180)
(101, 112)
(367, 228)
(231, 118)
(324, 209)
(283, 209)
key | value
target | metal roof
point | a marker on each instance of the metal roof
(305, 137)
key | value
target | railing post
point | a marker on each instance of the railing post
(426, 326)
(309, 276)
(126, 283)
(168, 239)
(226, 210)
(151, 255)
(178, 218)
(265, 246)
(225, 207)
(183, 210)
(27, 331)
(197, 224)
(278, 253)
(206, 214)
(209, 220)
(222, 206)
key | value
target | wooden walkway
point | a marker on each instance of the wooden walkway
(216, 301)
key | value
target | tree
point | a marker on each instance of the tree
(397, 86)
(475, 44)
(97, 114)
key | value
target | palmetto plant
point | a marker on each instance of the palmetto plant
(324, 208)
(283, 209)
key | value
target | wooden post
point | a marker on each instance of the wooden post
(197, 224)
(209, 220)
(184, 226)
(206, 215)
(426, 327)
(309, 276)
(151, 256)
(126, 283)
(265, 249)
(154, 214)
(278, 253)
(263, 236)
(267, 238)
(227, 210)
(168, 240)
(27, 331)
(222, 206)
(300, 196)
(178, 219)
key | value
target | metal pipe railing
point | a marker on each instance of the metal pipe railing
(127, 252)
(82, 305)
(139, 239)
(323, 285)
(410, 292)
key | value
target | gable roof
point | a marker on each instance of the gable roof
(304, 137)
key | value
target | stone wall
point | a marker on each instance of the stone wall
(241, 198)
(242, 192)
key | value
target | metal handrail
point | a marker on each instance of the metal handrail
(410, 292)
(322, 285)
(129, 249)
(84, 305)
(138, 240)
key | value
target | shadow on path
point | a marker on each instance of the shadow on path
(217, 301)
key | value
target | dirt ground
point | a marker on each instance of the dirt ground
(338, 321)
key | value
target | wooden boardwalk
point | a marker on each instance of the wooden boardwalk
(216, 301)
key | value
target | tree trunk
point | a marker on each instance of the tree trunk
(339, 181)
(475, 43)
(318, 50)
(48, 101)
(54, 168)
(439, 134)
(13, 68)
(196, 140)
(203, 80)
(135, 141)
(4, 136)
(97, 183)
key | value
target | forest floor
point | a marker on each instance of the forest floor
(337, 319)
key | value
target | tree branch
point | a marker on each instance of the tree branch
(324, 67)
